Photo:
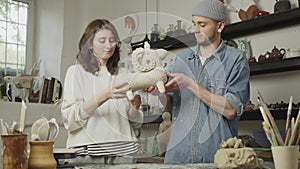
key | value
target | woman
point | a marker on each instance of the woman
(95, 109)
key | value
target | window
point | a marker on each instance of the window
(14, 16)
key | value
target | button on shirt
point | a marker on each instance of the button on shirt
(196, 129)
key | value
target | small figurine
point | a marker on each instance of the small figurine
(164, 133)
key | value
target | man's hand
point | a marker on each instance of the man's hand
(179, 81)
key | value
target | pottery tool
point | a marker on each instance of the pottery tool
(295, 130)
(271, 119)
(267, 129)
(40, 130)
(22, 116)
(287, 136)
(53, 129)
(289, 112)
(3, 127)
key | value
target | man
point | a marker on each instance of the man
(209, 87)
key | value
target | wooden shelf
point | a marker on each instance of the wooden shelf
(277, 114)
(262, 24)
(175, 43)
(275, 66)
(235, 30)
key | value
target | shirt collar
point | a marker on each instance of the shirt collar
(219, 52)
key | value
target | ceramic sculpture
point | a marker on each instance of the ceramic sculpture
(233, 154)
(147, 64)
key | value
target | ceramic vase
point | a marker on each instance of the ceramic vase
(41, 155)
(178, 30)
(155, 33)
(170, 31)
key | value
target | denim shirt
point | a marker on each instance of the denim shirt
(197, 130)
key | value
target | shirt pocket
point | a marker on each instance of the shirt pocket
(217, 86)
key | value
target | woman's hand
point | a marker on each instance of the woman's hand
(116, 91)
(136, 102)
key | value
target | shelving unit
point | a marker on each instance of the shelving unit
(252, 26)
(238, 29)
(243, 28)
(275, 66)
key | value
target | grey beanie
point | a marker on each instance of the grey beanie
(213, 9)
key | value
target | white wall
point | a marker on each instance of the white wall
(49, 36)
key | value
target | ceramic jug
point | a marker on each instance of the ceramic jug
(41, 155)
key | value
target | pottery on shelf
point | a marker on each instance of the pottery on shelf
(277, 54)
(170, 30)
(282, 5)
(244, 45)
(155, 33)
(178, 30)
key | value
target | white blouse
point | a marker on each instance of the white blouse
(109, 122)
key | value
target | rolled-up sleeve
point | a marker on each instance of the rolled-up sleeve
(238, 91)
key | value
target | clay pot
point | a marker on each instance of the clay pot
(252, 59)
(41, 155)
(262, 58)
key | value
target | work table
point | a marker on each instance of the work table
(267, 165)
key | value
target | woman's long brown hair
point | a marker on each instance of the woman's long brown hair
(85, 55)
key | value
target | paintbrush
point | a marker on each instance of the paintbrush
(22, 116)
(289, 112)
(270, 117)
(287, 137)
(268, 131)
(3, 127)
(295, 131)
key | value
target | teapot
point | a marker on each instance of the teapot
(264, 57)
(277, 54)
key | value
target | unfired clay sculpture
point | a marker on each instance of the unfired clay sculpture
(233, 154)
(149, 70)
